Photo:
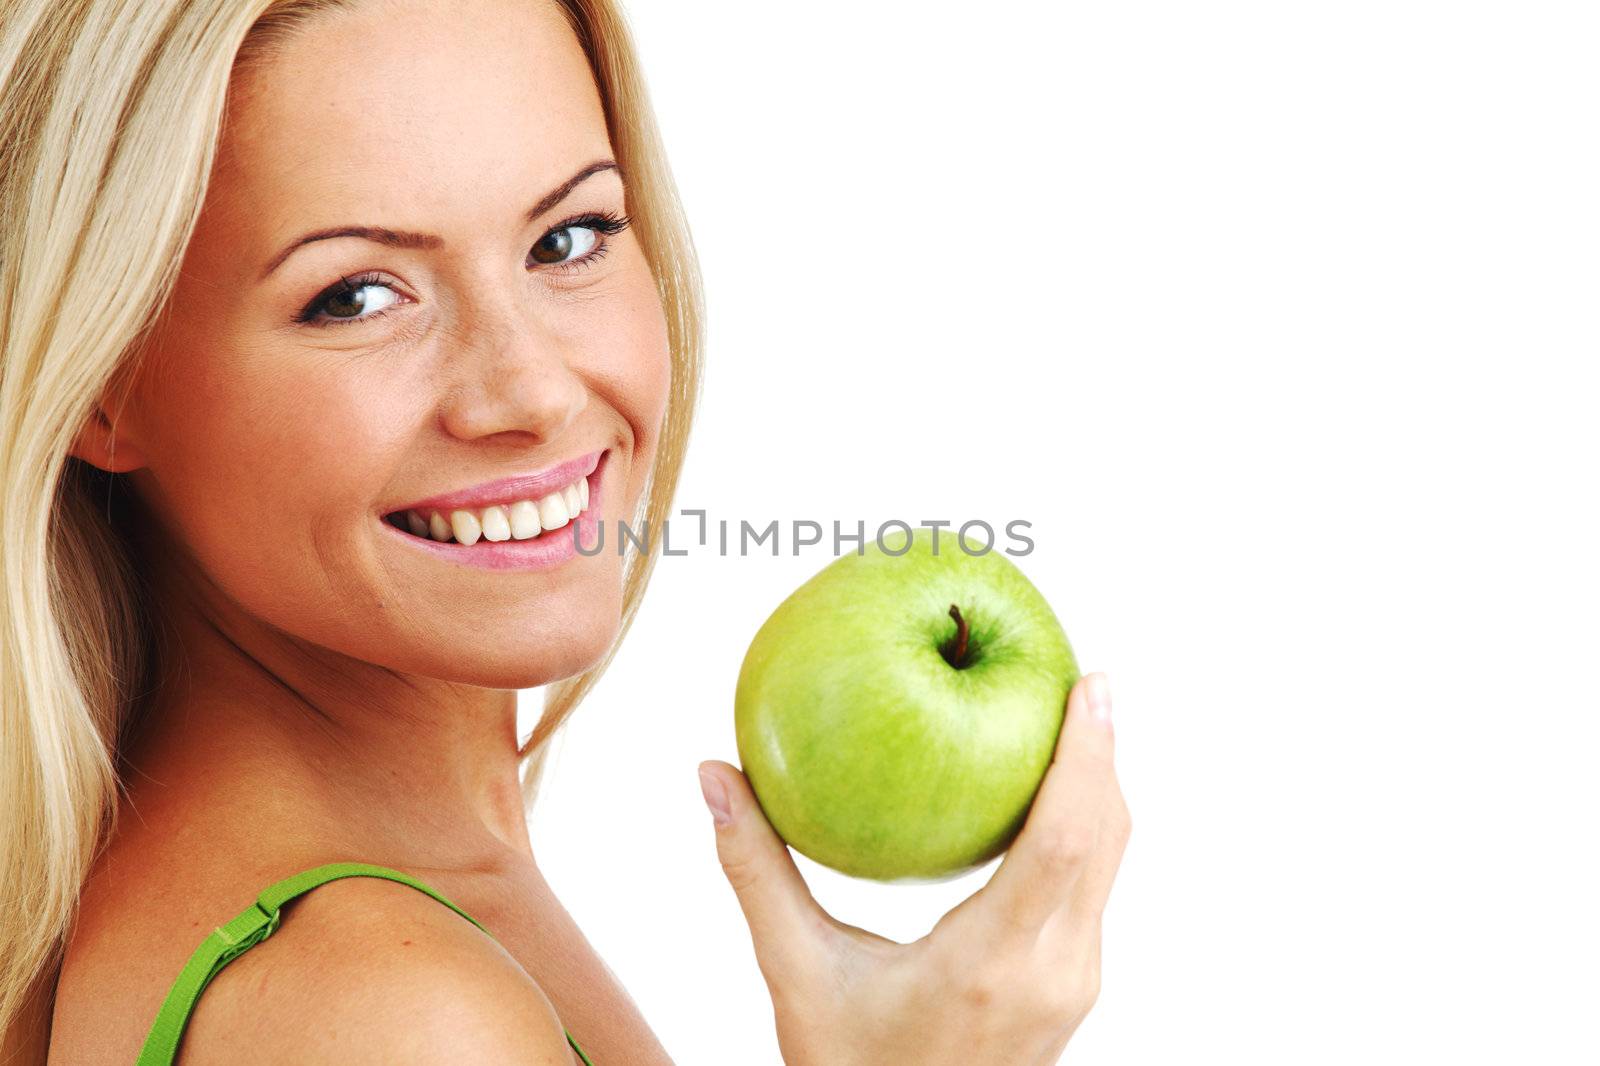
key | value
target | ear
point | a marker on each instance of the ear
(100, 444)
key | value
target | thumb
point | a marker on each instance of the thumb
(785, 920)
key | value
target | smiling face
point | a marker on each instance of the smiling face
(298, 391)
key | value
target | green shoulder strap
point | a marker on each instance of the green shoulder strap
(228, 942)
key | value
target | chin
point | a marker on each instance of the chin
(575, 641)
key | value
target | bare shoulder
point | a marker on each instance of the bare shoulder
(364, 970)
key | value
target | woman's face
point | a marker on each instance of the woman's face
(299, 391)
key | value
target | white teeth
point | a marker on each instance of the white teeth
(553, 511)
(524, 519)
(496, 524)
(464, 524)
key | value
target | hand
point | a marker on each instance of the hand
(1006, 976)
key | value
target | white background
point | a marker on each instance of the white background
(1278, 321)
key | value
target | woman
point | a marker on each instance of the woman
(300, 396)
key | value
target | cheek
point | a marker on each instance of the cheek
(651, 388)
(655, 374)
(642, 364)
(627, 359)
(267, 467)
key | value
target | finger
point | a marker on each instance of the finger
(1094, 887)
(785, 921)
(1059, 841)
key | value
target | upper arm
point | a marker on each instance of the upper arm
(368, 971)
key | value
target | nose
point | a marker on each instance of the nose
(514, 374)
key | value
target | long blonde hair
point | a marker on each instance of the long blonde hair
(110, 113)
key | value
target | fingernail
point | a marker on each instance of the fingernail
(1099, 694)
(716, 797)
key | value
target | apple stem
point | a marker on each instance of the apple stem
(957, 656)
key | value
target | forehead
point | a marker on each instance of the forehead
(421, 111)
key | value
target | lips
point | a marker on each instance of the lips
(506, 491)
(465, 540)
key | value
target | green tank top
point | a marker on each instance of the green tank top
(250, 928)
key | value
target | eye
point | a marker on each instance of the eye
(351, 300)
(577, 240)
(564, 244)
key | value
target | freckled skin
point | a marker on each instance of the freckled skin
(494, 368)
(351, 694)
(264, 448)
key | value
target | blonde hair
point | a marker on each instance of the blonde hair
(110, 114)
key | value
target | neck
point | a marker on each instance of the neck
(354, 756)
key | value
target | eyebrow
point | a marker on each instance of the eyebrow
(410, 239)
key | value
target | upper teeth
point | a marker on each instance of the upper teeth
(521, 520)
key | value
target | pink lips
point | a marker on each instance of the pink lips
(547, 551)
(508, 490)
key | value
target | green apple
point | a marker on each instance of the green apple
(896, 714)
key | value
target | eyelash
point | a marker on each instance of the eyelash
(604, 223)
